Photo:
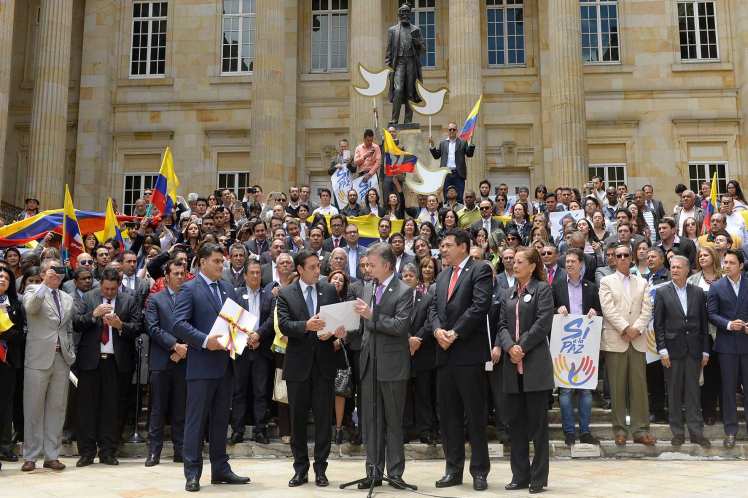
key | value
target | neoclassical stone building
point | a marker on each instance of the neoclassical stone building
(641, 91)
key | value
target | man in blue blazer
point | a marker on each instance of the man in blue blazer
(727, 305)
(167, 363)
(210, 381)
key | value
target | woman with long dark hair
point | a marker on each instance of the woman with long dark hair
(448, 219)
(428, 232)
(90, 243)
(410, 232)
(393, 209)
(520, 222)
(13, 261)
(524, 328)
(340, 280)
(371, 203)
(734, 190)
(11, 345)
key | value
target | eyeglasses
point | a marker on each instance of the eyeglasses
(452, 129)
(485, 208)
(623, 256)
(87, 262)
(546, 253)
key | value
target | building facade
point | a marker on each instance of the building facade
(260, 91)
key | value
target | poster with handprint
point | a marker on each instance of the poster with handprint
(575, 349)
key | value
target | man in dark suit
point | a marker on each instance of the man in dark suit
(310, 366)
(260, 243)
(353, 251)
(210, 380)
(505, 279)
(269, 272)
(727, 304)
(452, 151)
(385, 366)
(252, 367)
(576, 295)
(487, 220)
(669, 239)
(462, 299)
(108, 322)
(136, 286)
(397, 242)
(680, 325)
(167, 362)
(234, 274)
(652, 203)
(336, 239)
(549, 256)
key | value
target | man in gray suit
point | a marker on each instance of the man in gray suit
(384, 349)
(49, 354)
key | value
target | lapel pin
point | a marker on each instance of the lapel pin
(527, 298)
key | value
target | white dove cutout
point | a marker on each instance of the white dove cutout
(431, 181)
(377, 82)
(433, 102)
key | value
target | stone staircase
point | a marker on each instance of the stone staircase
(600, 427)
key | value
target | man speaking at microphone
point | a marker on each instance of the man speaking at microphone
(385, 341)
(210, 383)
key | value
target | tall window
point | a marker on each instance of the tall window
(329, 35)
(148, 54)
(238, 36)
(613, 174)
(704, 172)
(697, 27)
(506, 32)
(135, 185)
(424, 16)
(600, 31)
(235, 181)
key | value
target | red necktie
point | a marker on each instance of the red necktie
(551, 274)
(336, 241)
(453, 281)
(105, 329)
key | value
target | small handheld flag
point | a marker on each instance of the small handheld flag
(165, 191)
(5, 322)
(396, 160)
(471, 122)
(72, 242)
(112, 229)
(710, 205)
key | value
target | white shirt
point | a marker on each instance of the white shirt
(128, 282)
(735, 285)
(735, 224)
(510, 280)
(683, 216)
(331, 210)
(108, 348)
(451, 155)
(304, 287)
(276, 277)
(352, 260)
(625, 280)
(253, 301)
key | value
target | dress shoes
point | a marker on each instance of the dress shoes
(108, 460)
(516, 486)
(536, 488)
(192, 485)
(480, 483)
(84, 461)
(54, 465)
(28, 466)
(701, 441)
(729, 442)
(569, 439)
(426, 438)
(152, 460)
(229, 478)
(449, 480)
(397, 482)
(321, 480)
(646, 440)
(366, 484)
(8, 456)
(298, 480)
(261, 438)
(236, 438)
(677, 441)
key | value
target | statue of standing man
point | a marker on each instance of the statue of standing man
(403, 55)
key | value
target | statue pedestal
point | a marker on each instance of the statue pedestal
(428, 177)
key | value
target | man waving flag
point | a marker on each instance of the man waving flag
(471, 122)
(165, 191)
(396, 160)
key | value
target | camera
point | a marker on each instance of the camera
(59, 270)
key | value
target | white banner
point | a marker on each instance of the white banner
(342, 181)
(575, 349)
(555, 220)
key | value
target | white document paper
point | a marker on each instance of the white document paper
(234, 318)
(339, 314)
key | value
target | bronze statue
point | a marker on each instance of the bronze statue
(403, 55)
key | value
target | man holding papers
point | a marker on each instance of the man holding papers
(385, 340)
(209, 376)
(309, 368)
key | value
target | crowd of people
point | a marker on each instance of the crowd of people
(475, 277)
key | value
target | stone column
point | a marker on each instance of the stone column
(465, 78)
(267, 129)
(367, 48)
(568, 120)
(7, 8)
(50, 106)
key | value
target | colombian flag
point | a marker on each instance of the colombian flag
(111, 229)
(471, 122)
(368, 227)
(396, 160)
(710, 206)
(72, 242)
(165, 190)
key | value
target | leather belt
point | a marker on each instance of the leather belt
(105, 356)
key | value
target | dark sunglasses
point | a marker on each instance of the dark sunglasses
(87, 262)
(623, 256)
(546, 253)
(511, 237)
(485, 208)
(452, 129)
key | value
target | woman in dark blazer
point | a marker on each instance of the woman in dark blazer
(527, 370)
(11, 360)
(371, 204)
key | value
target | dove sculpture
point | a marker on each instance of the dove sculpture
(376, 82)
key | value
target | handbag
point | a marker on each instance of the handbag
(343, 384)
(280, 392)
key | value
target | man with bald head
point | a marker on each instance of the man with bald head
(688, 209)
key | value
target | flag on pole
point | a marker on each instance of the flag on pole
(165, 191)
(112, 229)
(72, 242)
(710, 206)
(396, 160)
(471, 122)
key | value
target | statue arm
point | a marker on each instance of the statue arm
(388, 52)
(418, 45)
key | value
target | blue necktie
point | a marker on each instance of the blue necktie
(217, 294)
(310, 300)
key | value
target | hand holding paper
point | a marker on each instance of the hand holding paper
(232, 327)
